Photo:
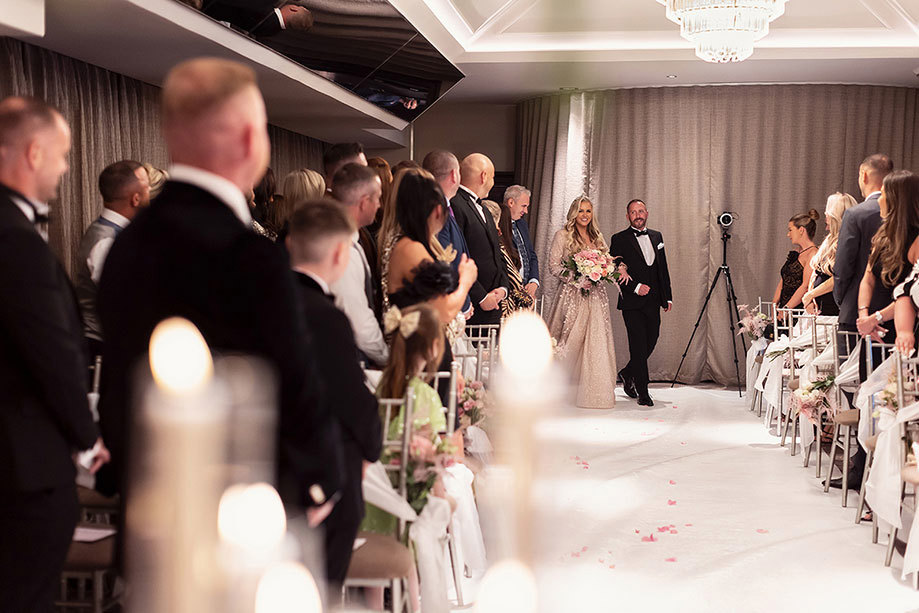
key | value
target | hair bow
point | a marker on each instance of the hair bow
(406, 324)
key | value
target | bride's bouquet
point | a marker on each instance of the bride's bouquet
(588, 268)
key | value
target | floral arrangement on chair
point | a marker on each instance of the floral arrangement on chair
(810, 400)
(888, 395)
(588, 268)
(427, 461)
(752, 322)
(473, 404)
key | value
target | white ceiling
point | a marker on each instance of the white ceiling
(514, 49)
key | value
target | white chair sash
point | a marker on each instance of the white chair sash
(883, 488)
(429, 532)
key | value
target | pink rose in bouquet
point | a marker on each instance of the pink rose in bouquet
(588, 268)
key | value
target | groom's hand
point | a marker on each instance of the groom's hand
(668, 307)
(643, 290)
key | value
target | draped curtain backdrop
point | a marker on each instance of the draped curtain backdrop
(766, 152)
(112, 117)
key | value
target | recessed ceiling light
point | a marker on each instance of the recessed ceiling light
(671, 76)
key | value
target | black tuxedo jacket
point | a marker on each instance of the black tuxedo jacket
(44, 414)
(350, 402)
(254, 16)
(859, 225)
(188, 255)
(657, 277)
(484, 247)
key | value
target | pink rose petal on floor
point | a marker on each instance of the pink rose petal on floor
(576, 555)
(673, 532)
(688, 525)
(664, 529)
(683, 443)
(762, 531)
(612, 566)
(670, 560)
(648, 539)
(584, 548)
(660, 420)
(671, 502)
(636, 532)
(601, 560)
(672, 482)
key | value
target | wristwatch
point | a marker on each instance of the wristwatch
(879, 317)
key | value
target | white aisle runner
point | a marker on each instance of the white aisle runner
(692, 506)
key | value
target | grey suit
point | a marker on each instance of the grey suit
(859, 224)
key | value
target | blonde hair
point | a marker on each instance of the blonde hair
(298, 187)
(574, 242)
(836, 206)
(158, 178)
(196, 88)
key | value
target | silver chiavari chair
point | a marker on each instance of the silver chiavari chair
(806, 322)
(484, 340)
(450, 410)
(871, 443)
(386, 562)
(907, 371)
(756, 400)
(821, 343)
(783, 322)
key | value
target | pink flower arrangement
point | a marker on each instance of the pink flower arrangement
(812, 399)
(588, 268)
(473, 404)
(752, 322)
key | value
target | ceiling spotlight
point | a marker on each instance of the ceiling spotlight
(671, 76)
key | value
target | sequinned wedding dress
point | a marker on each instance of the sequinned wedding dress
(581, 325)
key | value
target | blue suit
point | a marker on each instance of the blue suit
(452, 235)
(525, 248)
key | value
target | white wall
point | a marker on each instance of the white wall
(18, 17)
(463, 129)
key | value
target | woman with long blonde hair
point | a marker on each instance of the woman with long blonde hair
(819, 295)
(579, 322)
(297, 187)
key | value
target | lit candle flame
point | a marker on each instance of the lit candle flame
(526, 347)
(179, 357)
(252, 517)
(287, 587)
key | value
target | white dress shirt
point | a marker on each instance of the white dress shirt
(477, 200)
(100, 250)
(351, 298)
(223, 189)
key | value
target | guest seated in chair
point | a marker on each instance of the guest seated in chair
(319, 244)
(819, 296)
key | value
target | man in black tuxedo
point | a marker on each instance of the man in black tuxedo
(320, 245)
(477, 176)
(859, 225)
(44, 413)
(192, 253)
(642, 251)
(260, 17)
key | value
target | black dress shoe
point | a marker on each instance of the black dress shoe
(854, 483)
(628, 385)
(646, 401)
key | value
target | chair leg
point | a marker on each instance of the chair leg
(759, 404)
(874, 528)
(397, 604)
(457, 569)
(829, 470)
(890, 546)
(818, 445)
(784, 426)
(807, 455)
(98, 591)
(845, 464)
(794, 433)
(861, 490)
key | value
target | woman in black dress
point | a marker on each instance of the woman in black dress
(894, 252)
(819, 296)
(796, 272)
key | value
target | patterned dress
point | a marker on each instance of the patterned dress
(582, 328)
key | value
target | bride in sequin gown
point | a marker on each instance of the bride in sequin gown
(581, 324)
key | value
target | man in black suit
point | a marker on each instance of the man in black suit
(859, 225)
(192, 253)
(320, 245)
(44, 414)
(477, 177)
(260, 17)
(642, 251)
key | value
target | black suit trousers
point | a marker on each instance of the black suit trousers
(38, 528)
(643, 327)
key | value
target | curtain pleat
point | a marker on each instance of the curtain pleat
(112, 117)
(765, 152)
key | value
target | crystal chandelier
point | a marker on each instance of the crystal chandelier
(723, 30)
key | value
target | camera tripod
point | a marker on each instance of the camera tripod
(733, 311)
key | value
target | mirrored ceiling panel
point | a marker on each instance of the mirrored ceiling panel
(365, 46)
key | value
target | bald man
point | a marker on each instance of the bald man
(44, 413)
(192, 254)
(477, 177)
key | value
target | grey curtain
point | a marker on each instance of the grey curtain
(112, 117)
(765, 152)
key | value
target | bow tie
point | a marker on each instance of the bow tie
(640, 233)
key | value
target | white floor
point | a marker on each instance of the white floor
(693, 506)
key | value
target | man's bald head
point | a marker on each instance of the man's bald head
(34, 147)
(477, 173)
(214, 119)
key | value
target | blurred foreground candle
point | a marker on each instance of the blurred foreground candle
(177, 449)
(526, 387)
(509, 585)
(287, 587)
